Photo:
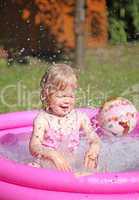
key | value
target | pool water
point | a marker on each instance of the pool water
(16, 147)
(118, 154)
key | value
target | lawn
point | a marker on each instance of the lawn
(110, 71)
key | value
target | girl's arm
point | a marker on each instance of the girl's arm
(39, 128)
(37, 149)
(94, 143)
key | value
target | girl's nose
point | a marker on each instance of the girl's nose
(66, 101)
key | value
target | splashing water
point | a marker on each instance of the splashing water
(118, 154)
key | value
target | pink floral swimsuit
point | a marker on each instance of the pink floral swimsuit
(62, 138)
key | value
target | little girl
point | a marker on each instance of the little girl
(56, 140)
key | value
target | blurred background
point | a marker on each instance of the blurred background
(99, 38)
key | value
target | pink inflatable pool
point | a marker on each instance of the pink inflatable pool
(20, 182)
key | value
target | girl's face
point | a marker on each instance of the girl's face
(62, 102)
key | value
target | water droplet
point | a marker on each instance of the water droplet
(22, 50)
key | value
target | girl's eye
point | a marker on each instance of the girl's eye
(69, 96)
(59, 96)
(64, 96)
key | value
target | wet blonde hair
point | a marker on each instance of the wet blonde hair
(58, 77)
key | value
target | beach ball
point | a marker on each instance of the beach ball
(117, 117)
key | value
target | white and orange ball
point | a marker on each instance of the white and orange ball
(118, 117)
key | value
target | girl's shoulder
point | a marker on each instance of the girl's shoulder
(42, 116)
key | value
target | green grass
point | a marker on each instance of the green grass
(110, 71)
(19, 86)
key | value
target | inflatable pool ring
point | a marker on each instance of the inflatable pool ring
(20, 182)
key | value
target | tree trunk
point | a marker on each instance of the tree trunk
(79, 34)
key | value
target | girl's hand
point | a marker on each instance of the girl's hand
(60, 163)
(91, 157)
